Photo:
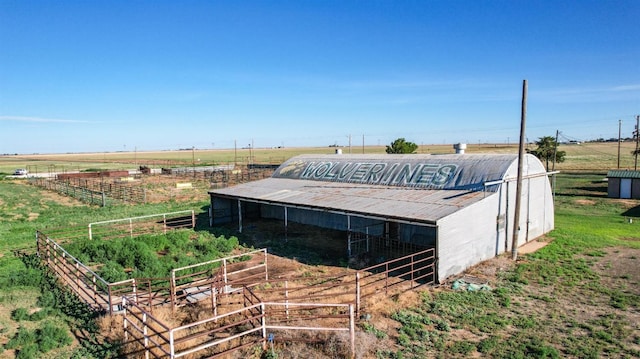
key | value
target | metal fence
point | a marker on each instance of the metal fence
(255, 323)
(89, 286)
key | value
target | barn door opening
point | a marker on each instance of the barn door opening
(625, 188)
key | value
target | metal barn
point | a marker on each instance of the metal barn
(623, 184)
(461, 204)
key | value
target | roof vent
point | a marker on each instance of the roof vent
(460, 147)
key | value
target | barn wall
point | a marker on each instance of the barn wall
(536, 206)
(324, 219)
(540, 216)
(613, 187)
(467, 237)
(224, 210)
(485, 229)
(635, 188)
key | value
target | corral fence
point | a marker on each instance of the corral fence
(135, 226)
(256, 322)
(92, 191)
(98, 189)
(246, 306)
(83, 194)
(89, 286)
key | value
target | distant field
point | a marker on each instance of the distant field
(591, 157)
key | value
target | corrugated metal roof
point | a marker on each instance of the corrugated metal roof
(463, 172)
(426, 191)
(422, 205)
(623, 174)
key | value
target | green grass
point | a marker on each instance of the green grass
(532, 311)
(23, 288)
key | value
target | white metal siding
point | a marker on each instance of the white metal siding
(467, 237)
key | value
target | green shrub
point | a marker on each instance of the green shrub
(20, 314)
(464, 347)
(52, 337)
(29, 351)
(23, 337)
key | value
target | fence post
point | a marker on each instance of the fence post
(173, 290)
(286, 298)
(164, 223)
(131, 227)
(172, 349)
(111, 300)
(134, 287)
(412, 269)
(266, 268)
(90, 233)
(144, 333)
(193, 219)
(264, 326)
(124, 321)
(95, 289)
(352, 331)
(358, 291)
(224, 271)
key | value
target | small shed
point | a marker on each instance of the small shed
(461, 205)
(623, 184)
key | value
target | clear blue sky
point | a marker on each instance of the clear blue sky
(80, 76)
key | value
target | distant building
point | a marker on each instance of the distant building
(623, 184)
(461, 205)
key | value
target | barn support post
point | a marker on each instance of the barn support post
(211, 215)
(239, 216)
(286, 224)
(348, 236)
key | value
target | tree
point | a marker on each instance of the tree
(400, 145)
(546, 148)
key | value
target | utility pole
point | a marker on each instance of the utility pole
(555, 152)
(193, 160)
(363, 144)
(637, 134)
(516, 217)
(619, 140)
(349, 144)
(235, 152)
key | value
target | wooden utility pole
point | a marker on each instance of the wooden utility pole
(555, 152)
(619, 140)
(516, 217)
(637, 133)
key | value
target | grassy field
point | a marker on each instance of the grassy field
(578, 297)
(583, 157)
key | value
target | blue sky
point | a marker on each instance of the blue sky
(85, 76)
